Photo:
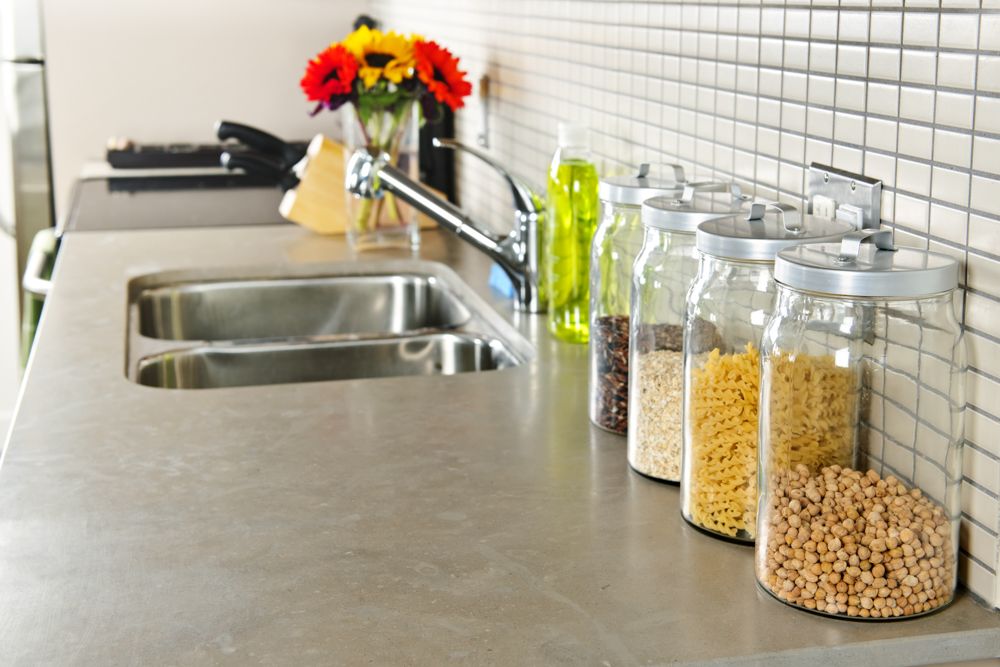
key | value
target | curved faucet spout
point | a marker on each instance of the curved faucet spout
(370, 174)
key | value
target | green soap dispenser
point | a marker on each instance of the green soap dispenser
(570, 220)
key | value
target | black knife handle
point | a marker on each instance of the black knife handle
(260, 165)
(259, 140)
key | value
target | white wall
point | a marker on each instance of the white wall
(166, 70)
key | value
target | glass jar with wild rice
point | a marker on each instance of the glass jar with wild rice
(616, 242)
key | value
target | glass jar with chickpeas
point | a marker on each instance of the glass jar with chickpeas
(861, 429)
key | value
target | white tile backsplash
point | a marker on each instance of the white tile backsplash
(905, 91)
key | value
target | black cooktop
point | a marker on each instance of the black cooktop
(149, 202)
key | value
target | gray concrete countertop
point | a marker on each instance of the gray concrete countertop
(476, 518)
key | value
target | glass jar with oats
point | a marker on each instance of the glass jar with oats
(616, 243)
(861, 428)
(662, 276)
(728, 306)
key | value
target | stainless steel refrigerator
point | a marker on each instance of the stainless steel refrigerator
(26, 204)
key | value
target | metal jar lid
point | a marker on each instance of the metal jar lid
(865, 264)
(633, 190)
(766, 230)
(698, 203)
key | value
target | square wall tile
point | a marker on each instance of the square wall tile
(883, 63)
(916, 140)
(986, 155)
(920, 29)
(886, 28)
(954, 109)
(951, 224)
(881, 134)
(852, 60)
(913, 177)
(959, 31)
(916, 104)
(984, 275)
(951, 186)
(989, 74)
(880, 166)
(849, 128)
(985, 195)
(984, 232)
(883, 99)
(823, 58)
(957, 70)
(853, 27)
(824, 24)
(989, 33)
(953, 148)
(851, 94)
(919, 66)
(988, 114)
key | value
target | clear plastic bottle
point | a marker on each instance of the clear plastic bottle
(570, 220)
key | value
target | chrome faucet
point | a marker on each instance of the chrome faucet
(370, 175)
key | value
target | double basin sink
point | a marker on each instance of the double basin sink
(360, 320)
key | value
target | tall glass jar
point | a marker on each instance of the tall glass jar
(728, 306)
(617, 241)
(662, 276)
(861, 430)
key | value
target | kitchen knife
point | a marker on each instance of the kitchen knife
(265, 142)
(253, 163)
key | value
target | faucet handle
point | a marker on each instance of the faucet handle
(524, 197)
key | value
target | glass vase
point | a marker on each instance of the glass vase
(387, 222)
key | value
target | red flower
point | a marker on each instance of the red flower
(438, 70)
(330, 75)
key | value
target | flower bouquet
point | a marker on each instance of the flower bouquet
(387, 85)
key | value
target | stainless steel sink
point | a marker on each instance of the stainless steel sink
(276, 363)
(358, 320)
(277, 308)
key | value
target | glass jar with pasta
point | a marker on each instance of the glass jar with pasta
(861, 429)
(728, 306)
(662, 276)
(616, 243)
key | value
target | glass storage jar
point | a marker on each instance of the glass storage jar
(616, 243)
(861, 430)
(664, 270)
(728, 306)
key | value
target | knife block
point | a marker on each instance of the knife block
(319, 201)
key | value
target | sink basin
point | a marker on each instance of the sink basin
(273, 363)
(290, 307)
(203, 329)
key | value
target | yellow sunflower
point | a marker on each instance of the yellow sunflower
(379, 54)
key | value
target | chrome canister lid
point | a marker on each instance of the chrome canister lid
(766, 230)
(698, 203)
(866, 264)
(633, 190)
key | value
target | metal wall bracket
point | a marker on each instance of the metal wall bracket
(843, 187)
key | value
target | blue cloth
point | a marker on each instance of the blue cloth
(500, 282)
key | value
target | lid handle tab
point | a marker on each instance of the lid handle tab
(690, 189)
(850, 244)
(789, 215)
